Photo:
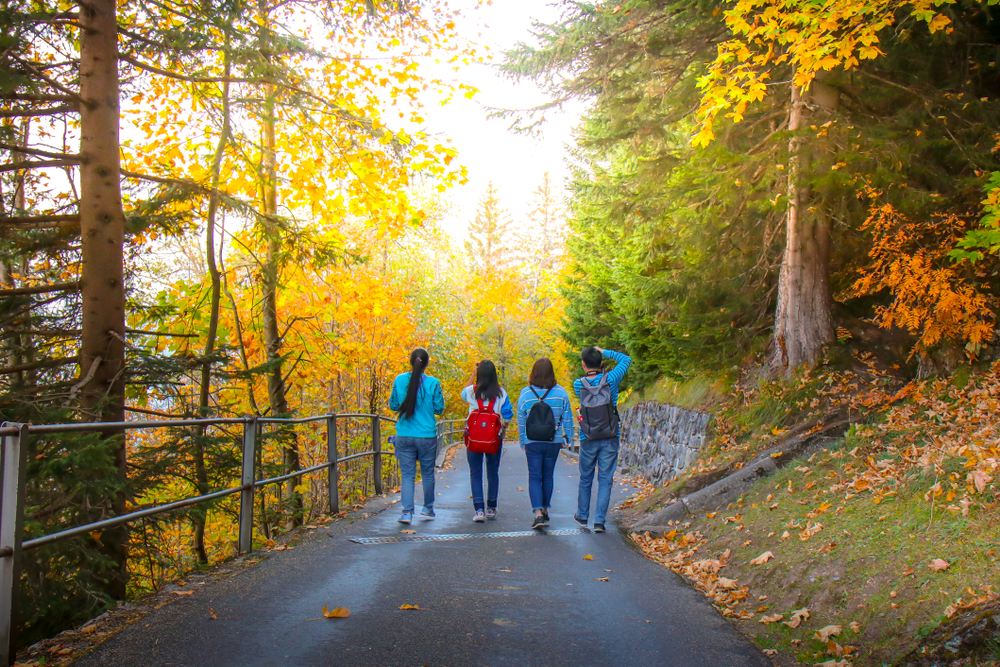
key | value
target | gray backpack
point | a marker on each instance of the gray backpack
(599, 412)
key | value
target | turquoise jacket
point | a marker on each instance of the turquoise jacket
(430, 402)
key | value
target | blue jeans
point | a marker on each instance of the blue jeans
(602, 454)
(542, 457)
(492, 477)
(408, 452)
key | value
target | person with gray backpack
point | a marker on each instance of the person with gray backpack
(599, 430)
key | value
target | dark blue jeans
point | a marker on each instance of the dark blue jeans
(542, 457)
(476, 460)
(602, 455)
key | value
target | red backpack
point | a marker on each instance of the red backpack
(484, 429)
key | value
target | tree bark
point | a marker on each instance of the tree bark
(276, 394)
(803, 322)
(102, 225)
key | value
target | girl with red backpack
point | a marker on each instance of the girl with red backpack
(489, 412)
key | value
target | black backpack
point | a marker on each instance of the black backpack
(540, 426)
(599, 412)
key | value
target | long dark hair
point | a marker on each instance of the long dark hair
(487, 384)
(418, 363)
(542, 374)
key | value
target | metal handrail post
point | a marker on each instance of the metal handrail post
(14, 465)
(246, 495)
(333, 474)
(377, 456)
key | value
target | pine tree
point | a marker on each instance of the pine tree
(490, 243)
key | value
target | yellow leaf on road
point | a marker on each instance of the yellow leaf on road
(409, 606)
(182, 592)
(408, 532)
(588, 557)
(337, 612)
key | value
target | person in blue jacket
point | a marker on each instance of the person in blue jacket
(602, 453)
(484, 385)
(542, 455)
(416, 398)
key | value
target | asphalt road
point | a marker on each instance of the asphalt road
(497, 602)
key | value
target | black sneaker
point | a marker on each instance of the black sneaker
(539, 522)
(582, 522)
(545, 515)
(598, 527)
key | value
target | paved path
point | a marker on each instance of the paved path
(497, 602)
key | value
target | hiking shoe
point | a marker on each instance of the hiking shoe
(491, 513)
(427, 513)
(539, 522)
(582, 522)
(598, 527)
(406, 518)
(479, 517)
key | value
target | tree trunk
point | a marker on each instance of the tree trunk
(201, 474)
(272, 336)
(102, 227)
(803, 322)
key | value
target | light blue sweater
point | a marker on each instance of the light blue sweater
(430, 402)
(558, 400)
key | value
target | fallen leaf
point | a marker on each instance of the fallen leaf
(907, 572)
(798, 616)
(603, 579)
(774, 618)
(182, 592)
(980, 479)
(409, 606)
(609, 570)
(855, 627)
(588, 557)
(785, 535)
(770, 651)
(710, 515)
(835, 663)
(520, 488)
(824, 634)
(408, 532)
(939, 564)
(212, 613)
(337, 612)
(763, 558)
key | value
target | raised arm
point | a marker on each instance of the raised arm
(622, 362)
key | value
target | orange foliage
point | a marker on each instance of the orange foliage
(932, 297)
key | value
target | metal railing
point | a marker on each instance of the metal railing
(13, 467)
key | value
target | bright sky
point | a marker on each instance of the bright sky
(515, 163)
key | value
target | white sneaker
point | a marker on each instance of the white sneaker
(480, 517)
(491, 513)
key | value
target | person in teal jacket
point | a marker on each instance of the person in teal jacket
(601, 454)
(416, 398)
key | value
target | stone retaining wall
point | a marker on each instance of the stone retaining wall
(660, 440)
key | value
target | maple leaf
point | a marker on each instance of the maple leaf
(939, 564)
(824, 634)
(337, 612)
(588, 557)
(773, 618)
(798, 616)
(763, 558)
(407, 607)
(979, 479)
(855, 627)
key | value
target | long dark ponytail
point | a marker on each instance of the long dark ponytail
(418, 363)
(487, 384)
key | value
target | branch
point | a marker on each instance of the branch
(160, 333)
(84, 381)
(36, 164)
(34, 113)
(37, 98)
(41, 289)
(144, 411)
(47, 363)
(34, 221)
(153, 69)
(40, 153)
(72, 94)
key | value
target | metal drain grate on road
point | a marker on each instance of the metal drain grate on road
(465, 536)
